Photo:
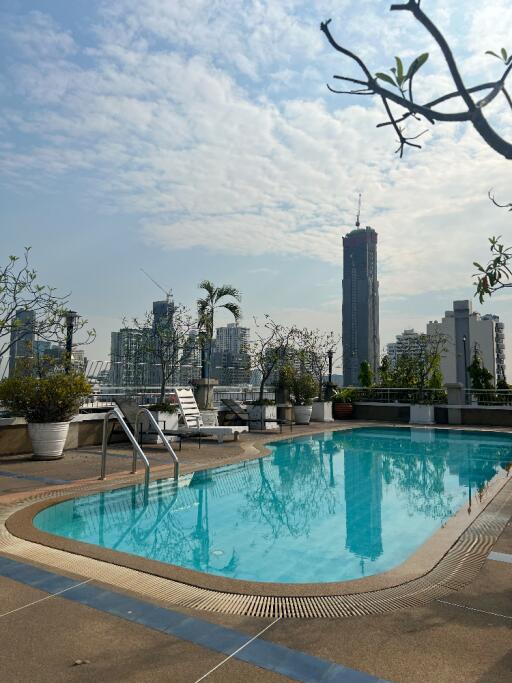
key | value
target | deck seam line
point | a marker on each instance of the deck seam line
(238, 650)
(46, 597)
(474, 609)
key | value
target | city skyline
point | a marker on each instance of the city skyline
(193, 158)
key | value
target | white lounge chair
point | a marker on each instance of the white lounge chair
(193, 420)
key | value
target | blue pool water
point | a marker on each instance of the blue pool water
(329, 507)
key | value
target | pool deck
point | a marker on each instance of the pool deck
(50, 620)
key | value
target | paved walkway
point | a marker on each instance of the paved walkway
(56, 628)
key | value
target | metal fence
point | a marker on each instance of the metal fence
(489, 397)
(104, 397)
(399, 395)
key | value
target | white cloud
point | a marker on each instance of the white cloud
(192, 117)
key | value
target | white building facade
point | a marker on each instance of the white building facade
(468, 334)
(406, 344)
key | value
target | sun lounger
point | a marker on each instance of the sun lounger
(193, 420)
(130, 408)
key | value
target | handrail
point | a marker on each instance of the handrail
(160, 433)
(137, 450)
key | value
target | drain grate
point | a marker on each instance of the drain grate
(455, 570)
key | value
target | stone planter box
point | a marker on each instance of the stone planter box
(165, 421)
(422, 414)
(260, 417)
(322, 411)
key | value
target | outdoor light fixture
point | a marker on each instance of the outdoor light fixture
(71, 318)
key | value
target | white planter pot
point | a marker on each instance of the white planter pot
(48, 439)
(165, 421)
(322, 411)
(302, 414)
(421, 414)
(260, 417)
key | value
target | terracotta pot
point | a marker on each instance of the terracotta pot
(342, 411)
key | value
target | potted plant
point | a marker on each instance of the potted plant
(342, 403)
(47, 403)
(166, 415)
(284, 384)
(304, 391)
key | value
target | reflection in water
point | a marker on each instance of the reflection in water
(323, 508)
(363, 499)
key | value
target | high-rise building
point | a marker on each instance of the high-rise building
(360, 303)
(190, 365)
(22, 338)
(130, 365)
(468, 333)
(230, 357)
(406, 344)
(499, 337)
(232, 338)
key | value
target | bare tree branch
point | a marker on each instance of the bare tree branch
(473, 111)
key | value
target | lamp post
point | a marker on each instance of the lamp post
(71, 317)
(464, 340)
(329, 389)
(330, 355)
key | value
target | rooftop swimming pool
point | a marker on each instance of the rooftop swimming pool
(328, 507)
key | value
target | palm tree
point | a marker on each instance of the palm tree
(206, 308)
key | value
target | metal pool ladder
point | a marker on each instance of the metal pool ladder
(137, 450)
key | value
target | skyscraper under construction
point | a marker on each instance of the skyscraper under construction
(360, 303)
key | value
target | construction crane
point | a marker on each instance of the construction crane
(168, 293)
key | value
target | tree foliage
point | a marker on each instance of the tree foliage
(271, 349)
(420, 369)
(365, 374)
(480, 377)
(312, 351)
(206, 308)
(167, 341)
(20, 291)
(496, 274)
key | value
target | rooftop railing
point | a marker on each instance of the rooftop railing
(404, 395)
(104, 397)
(489, 397)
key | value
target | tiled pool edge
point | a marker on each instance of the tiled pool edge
(454, 570)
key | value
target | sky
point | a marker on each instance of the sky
(198, 140)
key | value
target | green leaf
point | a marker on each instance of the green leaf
(385, 77)
(490, 52)
(504, 54)
(399, 70)
(416, 64)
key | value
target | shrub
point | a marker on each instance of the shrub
(305, 388)
(263, 402)
(55, 397)
(163, 407)
(346, 395)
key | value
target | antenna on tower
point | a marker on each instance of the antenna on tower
(167, 292)
(358, 219)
